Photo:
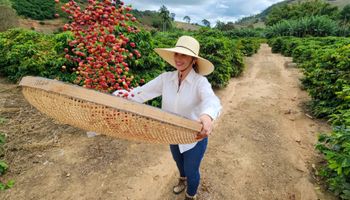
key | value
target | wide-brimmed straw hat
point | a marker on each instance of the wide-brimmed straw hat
(189, 46)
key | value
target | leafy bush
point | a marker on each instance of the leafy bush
(24, 52)
(304, 53)
(3, 166)
(344, 15)
(306, 26)
(35, 9)
(326, 66)
(249, 46)
(300, 10)
(245, 32)
(326, 75)
(150, 64)
(329, 84)
(208, 32)
(217, 52)
(336, 149)
(276, 44)
(342, 117)
(224, 53)
(5, 3)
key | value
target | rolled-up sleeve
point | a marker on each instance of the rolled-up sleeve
(210, 103)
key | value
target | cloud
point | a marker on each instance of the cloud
(221, 6)
(211, 10)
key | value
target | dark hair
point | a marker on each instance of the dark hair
(195, 66)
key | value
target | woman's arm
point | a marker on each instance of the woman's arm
(150, 90)
(210, 103)
(210, 107)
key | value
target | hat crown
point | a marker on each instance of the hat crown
(188, 43)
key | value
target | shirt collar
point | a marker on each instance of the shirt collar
(189, 78)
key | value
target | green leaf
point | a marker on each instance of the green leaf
(2, 139)
(10, 184)
(3, 120)
(2, 186)
(3, 167)
(346, 163)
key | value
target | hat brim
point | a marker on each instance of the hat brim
(205, 67)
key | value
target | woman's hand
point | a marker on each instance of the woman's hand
(207, 127)
(122, 93)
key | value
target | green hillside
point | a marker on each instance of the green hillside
(152, 20)
(253, 20)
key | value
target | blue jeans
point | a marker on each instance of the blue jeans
(188, 164)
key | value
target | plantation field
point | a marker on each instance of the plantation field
(284, 132)
(186, 26)
(262, 147)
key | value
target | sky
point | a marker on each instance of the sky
(211, 10)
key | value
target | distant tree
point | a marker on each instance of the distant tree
(157, 23)
(317, 26)
(35, 9)
(230, 26)
(149, 12)
(300, 10)
(345, 14)
(187, 19)
(224, 27)
(5, 3)
(165, 15)
(206, 23)
(172, 16)
(248, 20)
(219, 25)
(8, 18)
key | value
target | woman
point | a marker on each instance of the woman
(188, 93)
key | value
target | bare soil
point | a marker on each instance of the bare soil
(43, 26)
(262, 148)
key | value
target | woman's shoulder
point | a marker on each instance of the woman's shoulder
(202, 81)
(200, 78)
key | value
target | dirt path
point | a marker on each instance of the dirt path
(264, 143)
(262, 148)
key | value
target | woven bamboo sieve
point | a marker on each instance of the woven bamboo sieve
(106, 114)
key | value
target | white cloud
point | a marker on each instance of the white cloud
(221, 6)
(211, 10)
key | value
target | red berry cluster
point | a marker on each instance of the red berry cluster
(100, 47)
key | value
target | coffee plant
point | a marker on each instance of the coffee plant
(325, 63)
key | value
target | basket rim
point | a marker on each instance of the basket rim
(93, 96)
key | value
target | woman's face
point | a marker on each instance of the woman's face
(182, 61)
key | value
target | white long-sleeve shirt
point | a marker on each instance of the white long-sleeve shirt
(194, 98)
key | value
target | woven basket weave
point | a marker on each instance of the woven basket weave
(106, 114)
